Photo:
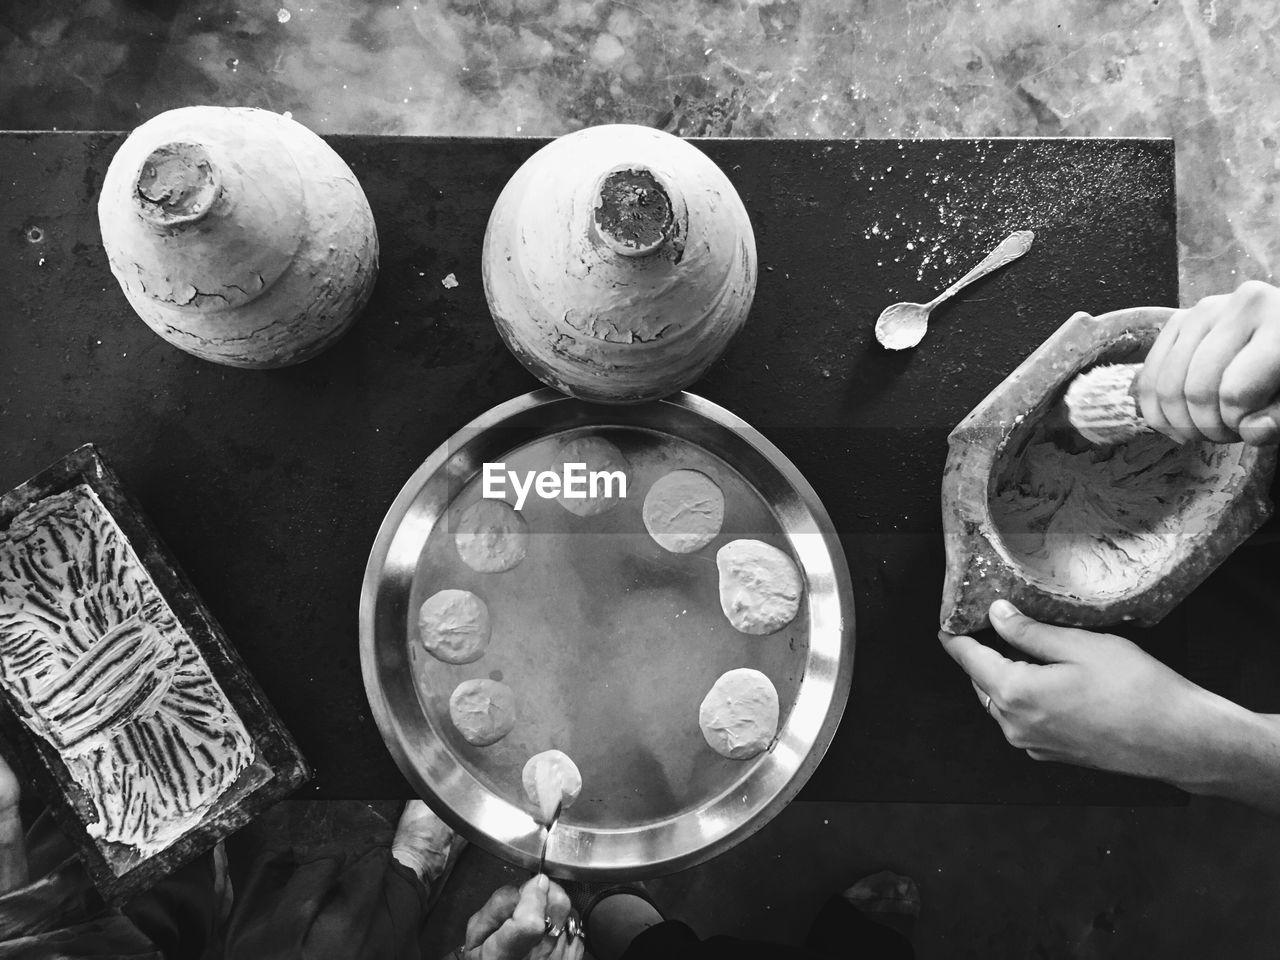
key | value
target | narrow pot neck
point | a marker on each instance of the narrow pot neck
(634, 212)
(177, 184)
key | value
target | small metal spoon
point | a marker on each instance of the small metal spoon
(904, 324)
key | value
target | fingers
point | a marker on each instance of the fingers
(1047, 644)
(1204, 377)
(1171, 378)
(1263, 427)
(1251, 381)
(564, 949)
(496, 911)
(993, 709)
(1148, 399)
(983, 696)
(985, 667)
(513, 924)
(526, 926)
(1213, 366)
(558, 907)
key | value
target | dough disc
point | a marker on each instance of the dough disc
(598, 455)
(760, 586)
(683, 511)
(548, 777)
(491, 536)
(454, 626)
(484, 711)
(739, 715)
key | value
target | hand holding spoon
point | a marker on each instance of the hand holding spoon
(904, 324)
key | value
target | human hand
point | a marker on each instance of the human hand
(1214, 370)
(526, 923)
(1095, 700)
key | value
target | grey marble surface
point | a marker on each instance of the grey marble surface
(1200, 71)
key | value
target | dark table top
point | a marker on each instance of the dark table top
(269, 486)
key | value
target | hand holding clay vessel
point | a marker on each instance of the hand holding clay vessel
(618, 263)
(238, 235)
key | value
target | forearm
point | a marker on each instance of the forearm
(1235, 754)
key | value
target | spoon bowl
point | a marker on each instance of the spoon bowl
(903, 325)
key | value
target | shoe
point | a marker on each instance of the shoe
(586, 898)
(887, 898)
(428, 846)
(885, 892)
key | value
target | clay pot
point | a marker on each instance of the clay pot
(1037, 524)
(618, 263)
(238, 235)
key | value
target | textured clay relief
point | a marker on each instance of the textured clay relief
(100, 668)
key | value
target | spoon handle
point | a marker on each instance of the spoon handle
(1011, 248)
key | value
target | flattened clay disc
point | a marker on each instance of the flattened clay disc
(484, 711)
(683, 511)
(739, 715)
(454, 626)
(548, 777)
(760, 586)
(491, 536)
(599, 456)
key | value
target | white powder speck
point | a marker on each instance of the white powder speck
(283, 15)
(449, 282)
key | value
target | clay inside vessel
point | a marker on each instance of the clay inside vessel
(177, 183)
(1103, 523)
(634, 212)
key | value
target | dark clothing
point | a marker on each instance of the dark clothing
(839, 931)
(316, 881)
(58, 915)
(330, 905)
(296, 898)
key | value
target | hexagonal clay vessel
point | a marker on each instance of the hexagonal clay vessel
(1086, 536)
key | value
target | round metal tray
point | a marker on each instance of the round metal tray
(608, 641)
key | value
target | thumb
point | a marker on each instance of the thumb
(526, 927)
(1262, 426)
(1046, 643)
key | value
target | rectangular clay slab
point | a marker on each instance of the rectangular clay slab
(273, 766)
